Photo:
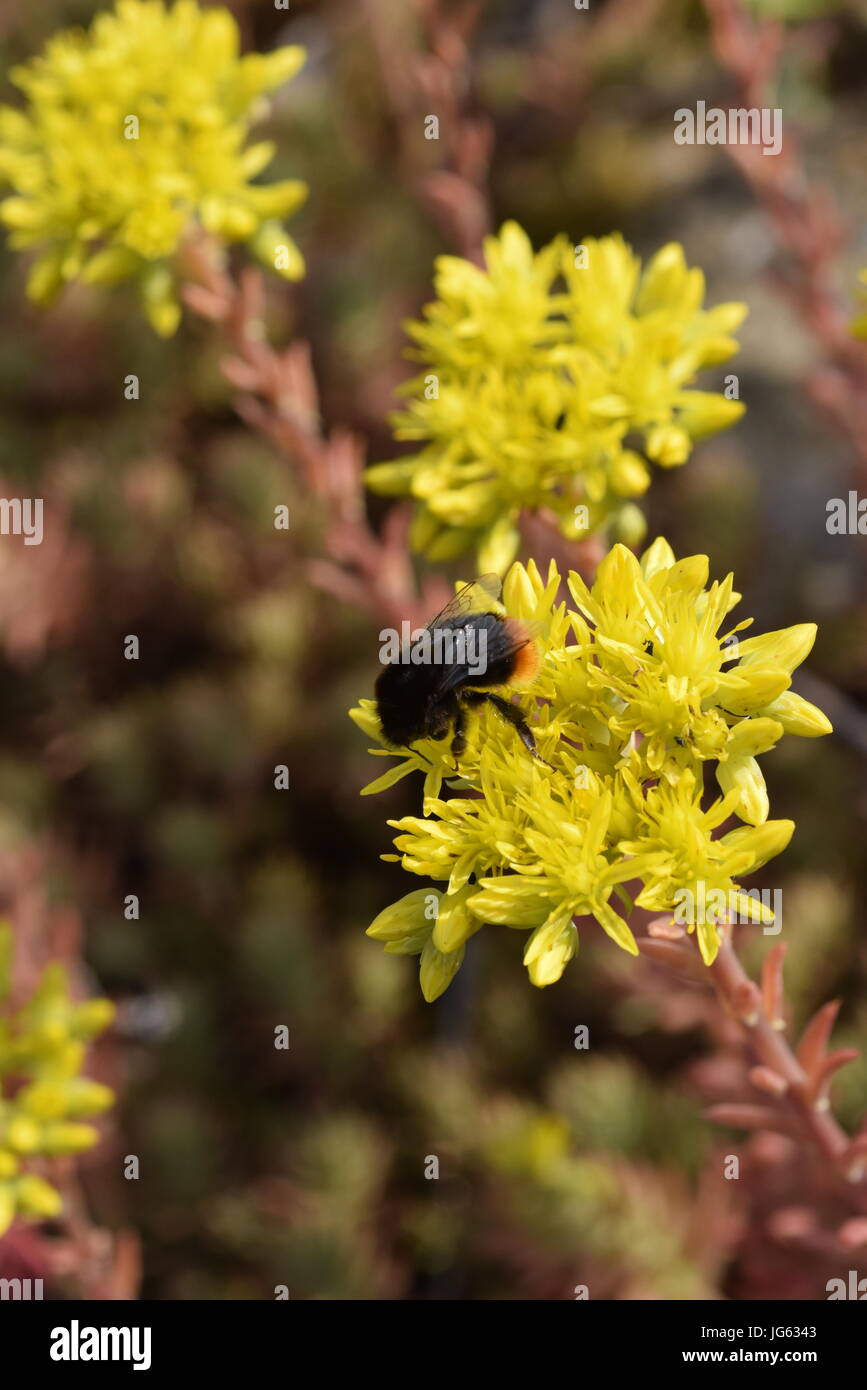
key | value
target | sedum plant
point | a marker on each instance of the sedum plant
(553, 380)
(44, 1098)
(135, 133)
(643, 680)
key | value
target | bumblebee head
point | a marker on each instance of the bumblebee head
(400, 715)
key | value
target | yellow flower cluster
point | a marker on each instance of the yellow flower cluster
(134, 132)
(640, 684)
(540, 373)
(42, 1048)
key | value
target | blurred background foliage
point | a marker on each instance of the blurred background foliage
(306, 1167)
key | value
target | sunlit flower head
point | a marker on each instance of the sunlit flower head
(553, 381)
(133, 133)
(641, 684)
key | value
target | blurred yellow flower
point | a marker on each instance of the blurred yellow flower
(537, 371)
(42, 1047)
(133, 132)
(639, 685)
(859, 323)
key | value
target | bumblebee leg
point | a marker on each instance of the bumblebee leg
(513, 716)
(466, 697)
(459, 738)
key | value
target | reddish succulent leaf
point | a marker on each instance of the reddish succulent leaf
(765, 1079)
(673, 956)
(814, 1039)
(772, 985)
(742, 1115)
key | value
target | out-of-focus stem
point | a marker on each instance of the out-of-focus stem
(793, 1084)
(804, 219)
(768, 1042)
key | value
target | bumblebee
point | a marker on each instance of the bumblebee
(461, 659)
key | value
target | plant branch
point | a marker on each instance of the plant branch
(277, 397)
(794, 1082)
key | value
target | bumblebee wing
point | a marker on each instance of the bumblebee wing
(479, 596)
